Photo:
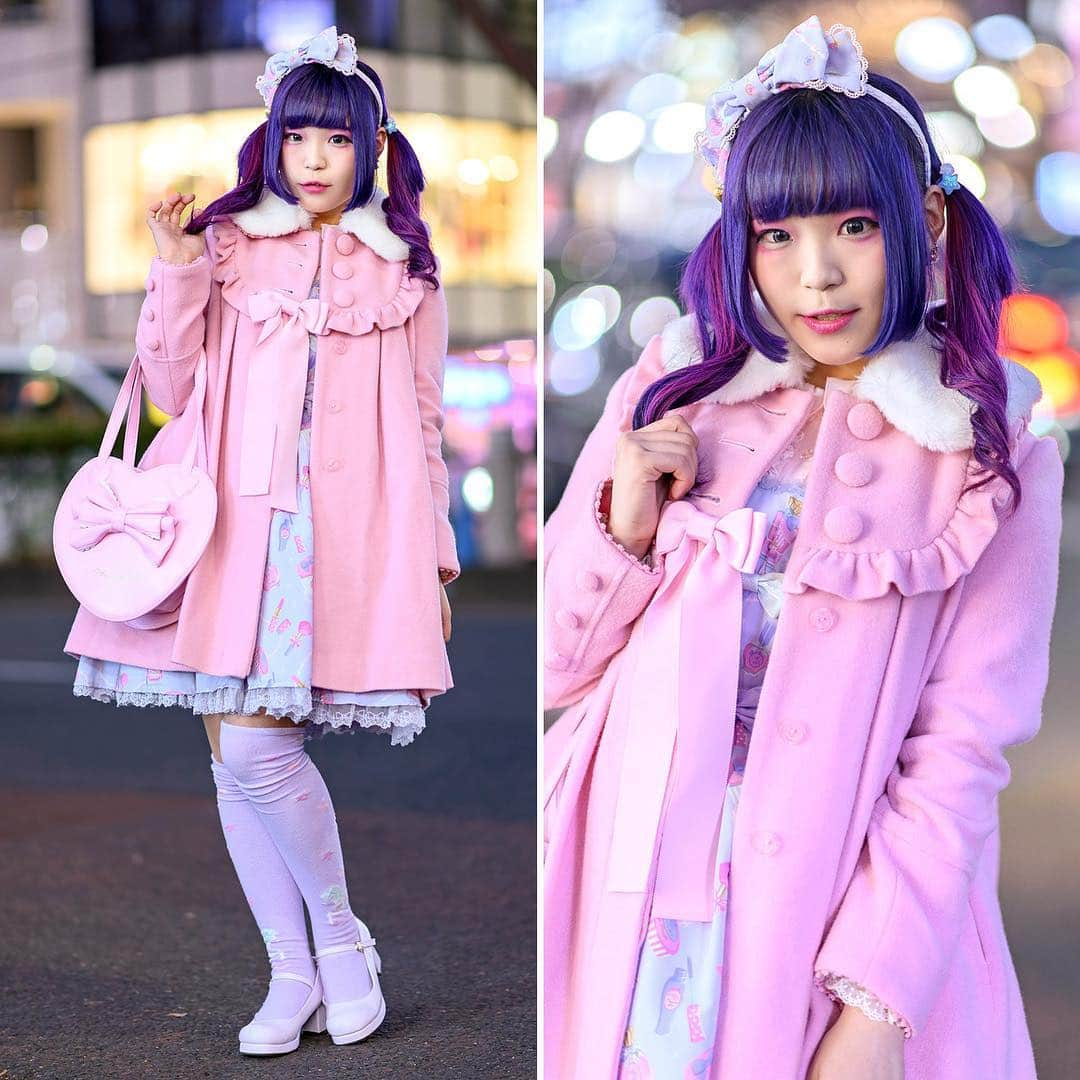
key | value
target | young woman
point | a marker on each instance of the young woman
(313, 298)
(799, 597)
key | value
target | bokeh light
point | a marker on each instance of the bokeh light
(1057, 190)
(935, 49)
(986, 91)
(614, 135)
(1012, 129)
(650, 317)
(1004, 37)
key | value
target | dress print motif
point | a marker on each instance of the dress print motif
(280, 676)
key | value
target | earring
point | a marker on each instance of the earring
(933, 252)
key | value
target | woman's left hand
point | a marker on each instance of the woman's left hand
(858, 1048)
(445, 613)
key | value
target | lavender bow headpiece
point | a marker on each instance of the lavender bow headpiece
(326, 47)
(809, 57)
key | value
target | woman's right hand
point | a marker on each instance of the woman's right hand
(173, 244)
(653, 464)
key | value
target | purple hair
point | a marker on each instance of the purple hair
(314, 95)
(804, 152)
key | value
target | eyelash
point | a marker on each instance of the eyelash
(765, 232)
(290, 134)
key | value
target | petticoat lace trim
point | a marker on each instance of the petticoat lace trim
(404, 722)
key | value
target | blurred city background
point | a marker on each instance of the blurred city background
(626, 200)
(123, 923)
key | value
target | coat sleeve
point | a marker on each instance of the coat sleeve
(171, 331)
(430, 325)
(896, 929)
(594, 589)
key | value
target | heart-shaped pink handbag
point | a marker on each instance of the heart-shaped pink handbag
(125, 538)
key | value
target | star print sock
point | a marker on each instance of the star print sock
(271, 893)
(287, 791)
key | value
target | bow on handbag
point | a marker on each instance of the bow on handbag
(102, 512)
(274, 405)
(682, 710)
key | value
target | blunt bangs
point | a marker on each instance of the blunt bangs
(315, 99)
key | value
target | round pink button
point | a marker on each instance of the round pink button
(843, 524)
(853, 469)
(149, 315)
(791, 731)
(343, 297)
(587, 581)
(151, 285)
(341, 348)
(864, 421)
(567, 619)
(345, 244)
(341, 270)
(334, 406)
(823, 619)
(768, 843)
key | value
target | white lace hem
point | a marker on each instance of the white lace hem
(403, 722)
(848, 992)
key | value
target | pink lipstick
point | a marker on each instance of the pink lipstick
(828, 322)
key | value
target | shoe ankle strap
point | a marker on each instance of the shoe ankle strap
(358, 946)
(294, 978)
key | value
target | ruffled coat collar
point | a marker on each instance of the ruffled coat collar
(903, 381)
(273, 216)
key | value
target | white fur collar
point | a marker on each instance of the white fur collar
(903, 381)
(273, 216)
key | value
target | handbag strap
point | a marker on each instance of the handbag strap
(129, 401)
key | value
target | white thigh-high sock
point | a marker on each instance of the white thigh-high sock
(271, 893)
(282, 784)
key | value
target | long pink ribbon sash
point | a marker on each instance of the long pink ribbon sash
(274, 406)
(682, 710)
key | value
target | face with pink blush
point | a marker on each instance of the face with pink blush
(325, 156)
(805, 266)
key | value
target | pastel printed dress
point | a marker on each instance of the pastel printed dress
(280, 676)
(671, 1027)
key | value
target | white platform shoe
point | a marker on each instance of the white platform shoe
(282, 1036)
(351, 1021)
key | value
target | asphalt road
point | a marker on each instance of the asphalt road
(126, 946)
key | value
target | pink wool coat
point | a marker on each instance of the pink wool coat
(912, 649)
(379, 485)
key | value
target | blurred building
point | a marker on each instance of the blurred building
(105, 106)
(626, 198)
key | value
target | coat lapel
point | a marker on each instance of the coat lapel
(273, 216)
(903, 381)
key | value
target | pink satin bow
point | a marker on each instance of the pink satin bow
(682, 710)
(103, 512)
(274, 406)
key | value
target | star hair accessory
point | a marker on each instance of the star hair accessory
(949, 181)
(326, 47)
(808, 58)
